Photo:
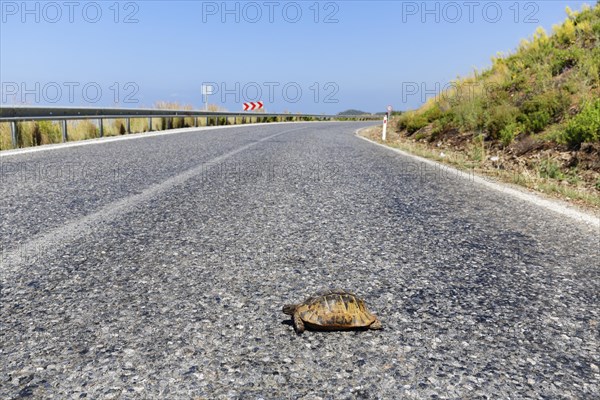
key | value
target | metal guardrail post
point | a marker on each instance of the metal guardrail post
(14, 133)
(128, 125)
(64, 130)
(101, 126)
(149, 124)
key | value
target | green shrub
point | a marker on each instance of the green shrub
(536, 121)
(539, 112)
(516, 83)
(590, 67)
(477, 149)
(596, 29)
(571, 87)
(411, 122)
(433, 114)
(564, 60)
(509, 132)
(448, 119)
(550, 169)
(499, 118)
(442, 124)
(470, 115)
(420, 136)
(416, 123)
(585, 127)
(565, 34)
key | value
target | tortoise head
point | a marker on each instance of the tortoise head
(289, 309)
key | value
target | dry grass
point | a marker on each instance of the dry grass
(82, 130)
(5, 136)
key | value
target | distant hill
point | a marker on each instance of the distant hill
(353, 112)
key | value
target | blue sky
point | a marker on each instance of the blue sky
(304, 56)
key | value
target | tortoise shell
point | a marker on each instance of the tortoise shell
(332, 310)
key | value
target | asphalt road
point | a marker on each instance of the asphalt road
(157, 268)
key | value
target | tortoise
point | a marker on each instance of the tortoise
(332, 310)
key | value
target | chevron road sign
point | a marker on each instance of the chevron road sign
(253, 106)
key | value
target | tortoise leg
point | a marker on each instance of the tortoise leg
(376, 325)
(298, 323)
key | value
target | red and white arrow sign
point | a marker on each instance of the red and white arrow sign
(253, 106)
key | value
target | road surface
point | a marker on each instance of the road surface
(157, 268)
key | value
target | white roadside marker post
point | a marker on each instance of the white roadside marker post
(385, 121)
(386, 118)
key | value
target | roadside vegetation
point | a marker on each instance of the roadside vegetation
(534, 115)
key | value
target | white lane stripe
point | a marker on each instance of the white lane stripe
(84, 226)
(551, 205)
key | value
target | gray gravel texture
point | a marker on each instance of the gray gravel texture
(161, 271)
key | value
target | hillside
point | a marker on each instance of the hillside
(534, 113)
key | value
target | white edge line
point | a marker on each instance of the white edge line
(489, 183)
(140, 135)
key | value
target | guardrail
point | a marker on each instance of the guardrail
(16, 114)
